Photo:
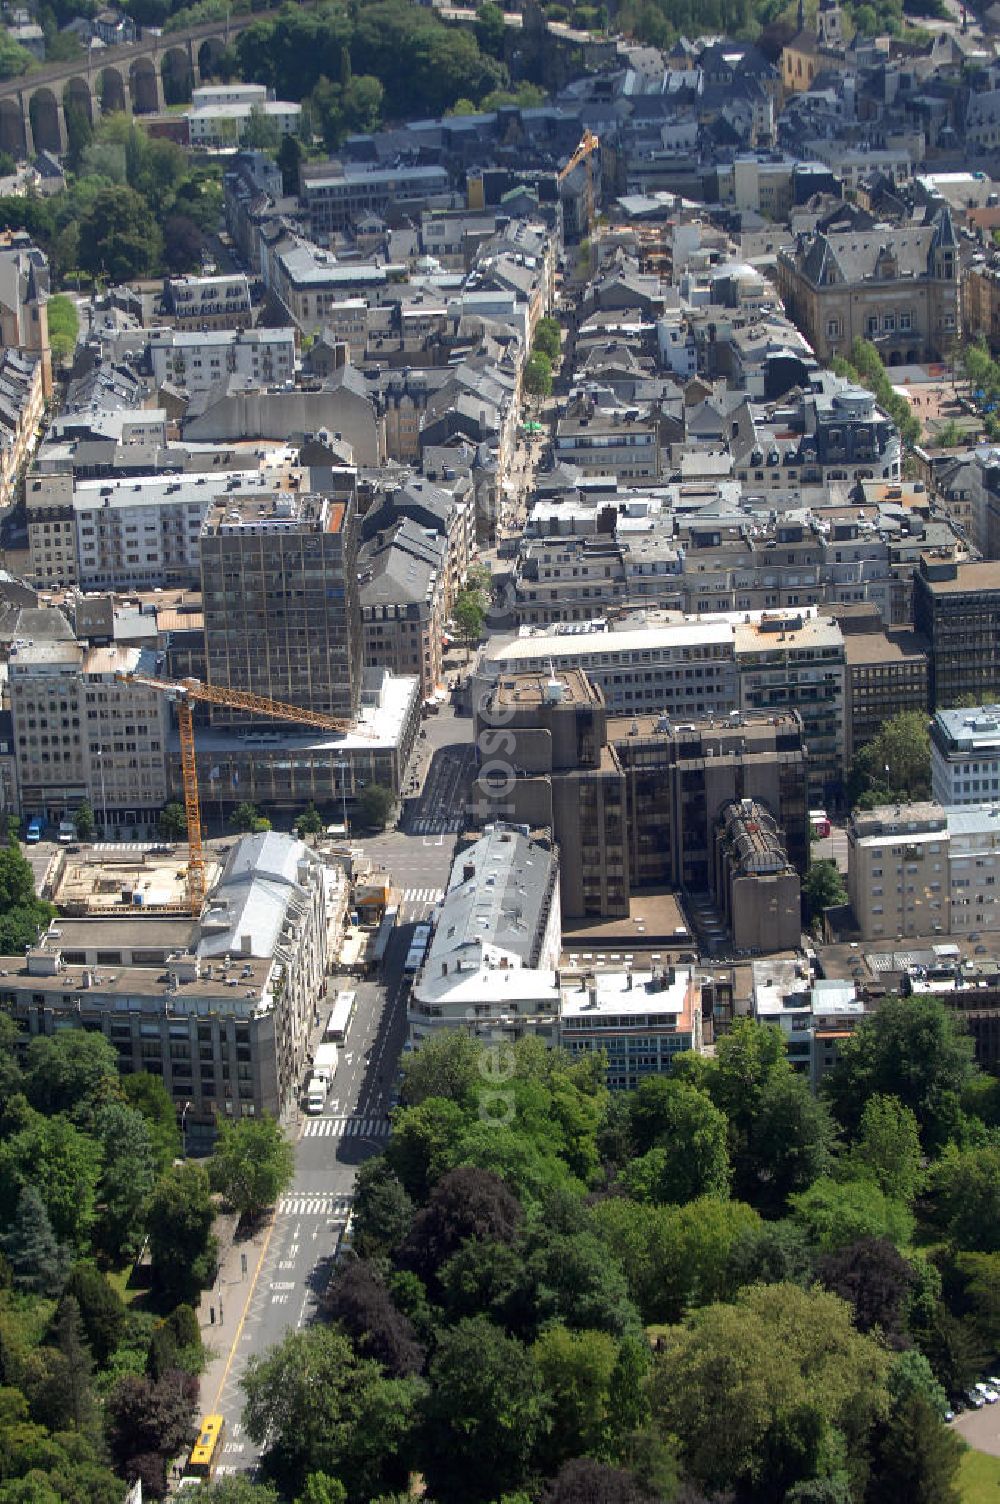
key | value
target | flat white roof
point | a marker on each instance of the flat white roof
(601, 644)
(622, 993)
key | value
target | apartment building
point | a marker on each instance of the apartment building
(22, 404)
(308, 281)
(956, 607)
(795, 661)
(143, 531)
(402, 595)
(48, 500)
(925, 869)
(981, 302)
(230, 124)
(965, 755)
(338, 194)
(491, 967)
(82, 733)
(279, 579)
(620, 442)
(200, 303)
(897, 287)
(197, 359)
(897, 870)
(220, 1008)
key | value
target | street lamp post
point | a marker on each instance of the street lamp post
(184, 1142)
(104, 801)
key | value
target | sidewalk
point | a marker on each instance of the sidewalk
(224, 1307)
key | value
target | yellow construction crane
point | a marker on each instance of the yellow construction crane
(183, 693)
(588, 145)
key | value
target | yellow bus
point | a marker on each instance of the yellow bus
(205, 1453)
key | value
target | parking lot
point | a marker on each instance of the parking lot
(980, 1428)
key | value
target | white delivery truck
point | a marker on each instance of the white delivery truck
(323, 1071)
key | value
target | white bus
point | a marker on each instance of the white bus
(339, 1021)
(418, 948)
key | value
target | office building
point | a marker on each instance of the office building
(896, 287)
(220, 1009)
(338, 194)
(965, 755)
(280, 597)
(491, 965)
(956, 607)
(886, 674)
(632, 802)
(402, 578)
(795, 661)
(640, 1018)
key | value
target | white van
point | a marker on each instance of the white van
(316, 1094)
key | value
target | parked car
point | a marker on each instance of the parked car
(989, 1395)
(975, 1399)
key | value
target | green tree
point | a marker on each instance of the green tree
(576, 1371)
(547, 339)
(309, 822)
(246, 817)
(485, 1414)
(490, 29)
(150, 1096)
(119, 238)
(173, 822)
(383, 1212)
(675, 1258)
(253, 1163)
(888, 1148)
(469, 612)
(756, 1390)
(448, 1065)
(260, 131)
(319, 1408)
(101, 1310)
(127, 1177)
(64, 325)
(83, 820)
(38, 1262)
(912, 1048)
(690, 1157)
(182, 1245)
(915, 1456)
(22, 915)
(963, 1194)
(68, 1390)
(375, 806)
(63, 1164)
(824, 888)
(836, 1213)
(791, 1143)
(537, 380)
(73, 1072)
(896, 765)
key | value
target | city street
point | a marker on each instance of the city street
(288, 1264)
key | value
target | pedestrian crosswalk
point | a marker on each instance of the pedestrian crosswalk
(436, 825)
(346, 1127)
(323, 1204)
(422, 895)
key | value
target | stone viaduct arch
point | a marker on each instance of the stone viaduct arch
(139, 79)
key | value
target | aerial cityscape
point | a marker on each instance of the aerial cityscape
(500, 752)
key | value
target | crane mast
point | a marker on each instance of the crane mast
(184, 694)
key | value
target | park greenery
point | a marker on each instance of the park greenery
(106, 1243)
(718, 1286)
(895, 767)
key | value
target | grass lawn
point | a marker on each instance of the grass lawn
(979, 1478)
